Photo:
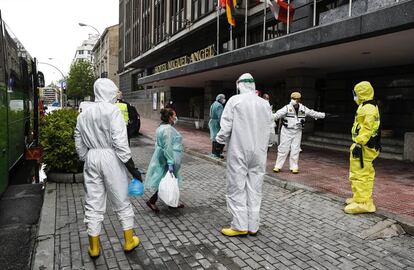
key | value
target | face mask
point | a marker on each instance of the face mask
(355, 97)
(175, 120)
(223, 101)
(293, 102)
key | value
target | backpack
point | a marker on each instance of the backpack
(375, 141)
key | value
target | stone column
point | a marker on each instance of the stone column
(409, 146)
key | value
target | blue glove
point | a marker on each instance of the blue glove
(171, 168)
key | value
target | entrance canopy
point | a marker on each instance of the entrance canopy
(374, 52)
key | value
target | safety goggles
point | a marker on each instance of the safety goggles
(245, 81)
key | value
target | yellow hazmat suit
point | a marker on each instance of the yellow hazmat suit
(365, 135)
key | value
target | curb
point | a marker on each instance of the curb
(408, 225)
(45, 239)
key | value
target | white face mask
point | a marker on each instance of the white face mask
(175, 120)
(293, 102)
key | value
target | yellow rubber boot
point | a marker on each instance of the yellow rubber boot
(232, 232)
(93, 249)
(276, 169)
(131, 241)
(360, 208)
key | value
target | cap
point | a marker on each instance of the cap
(295, 95)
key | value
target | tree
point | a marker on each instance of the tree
(80, 80)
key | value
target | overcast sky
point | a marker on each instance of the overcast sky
(49, 28)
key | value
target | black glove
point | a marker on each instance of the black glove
(357, 151)
(132, 170)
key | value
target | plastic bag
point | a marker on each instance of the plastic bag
(168, 190)
(135, 188)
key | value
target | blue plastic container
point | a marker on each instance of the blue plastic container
(135, 188)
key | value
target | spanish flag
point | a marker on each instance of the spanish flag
(231, 12)
(279, 9)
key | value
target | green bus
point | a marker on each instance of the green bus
(18, 118)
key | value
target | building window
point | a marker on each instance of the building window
(80, 52)
(146, 25)
(136, 21)
(128, 24)
(137, 86)
(159, 13)
(200, 8)
(178, 12)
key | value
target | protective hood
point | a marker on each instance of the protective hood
(364, 92)
(220, 96)
(105, 90)
(245, 84)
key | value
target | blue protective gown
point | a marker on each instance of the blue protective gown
(168, 151)
(216, 111)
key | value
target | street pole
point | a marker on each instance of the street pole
(100, 46)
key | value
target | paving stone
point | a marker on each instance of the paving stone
(301, 231)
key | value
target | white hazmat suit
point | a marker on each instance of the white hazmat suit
(245, 129)
(102, 142)
(291, 133)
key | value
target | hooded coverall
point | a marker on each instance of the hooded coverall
(364, 132)
(101, 141)
(245, 129)
(216, 111)
(291, 133)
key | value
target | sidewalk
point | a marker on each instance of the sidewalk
(299, 230)
(326, 171)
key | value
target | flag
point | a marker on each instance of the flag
(279, 9)
(231, 12)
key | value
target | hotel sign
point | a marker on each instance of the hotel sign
(185, 60)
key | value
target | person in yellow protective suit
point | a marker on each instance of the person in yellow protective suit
(124, 107)
(366, 147)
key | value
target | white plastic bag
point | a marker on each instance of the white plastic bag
(168, 190)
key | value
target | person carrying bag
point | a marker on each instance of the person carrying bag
(166, 160)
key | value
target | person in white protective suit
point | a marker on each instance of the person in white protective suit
(101, 141)
(294, 115)
(245, 129)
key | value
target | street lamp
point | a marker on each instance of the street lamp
(63, 76)
(100, 45)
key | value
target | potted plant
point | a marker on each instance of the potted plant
(56, 138)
